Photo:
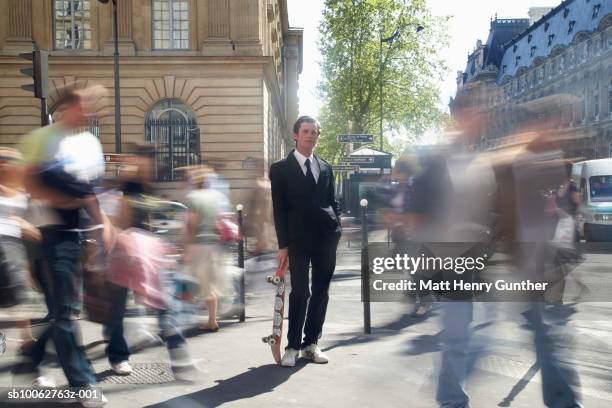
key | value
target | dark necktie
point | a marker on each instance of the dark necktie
(309, 176)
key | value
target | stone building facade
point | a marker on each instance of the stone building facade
(562, 55)
(207, 80)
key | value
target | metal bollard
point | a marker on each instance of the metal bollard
(365, 268)
(241, 290)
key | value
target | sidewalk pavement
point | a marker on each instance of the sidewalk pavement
(395, 366)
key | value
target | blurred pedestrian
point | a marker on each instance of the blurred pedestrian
(259, 223)
(52, 176)
(462, 186)
(538, 170)
(206, 207)
(136, 262)
(15, 286)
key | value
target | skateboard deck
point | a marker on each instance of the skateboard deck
(274, 339)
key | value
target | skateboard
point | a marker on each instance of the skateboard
(274, 339)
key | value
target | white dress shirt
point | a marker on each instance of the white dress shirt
(314, 164)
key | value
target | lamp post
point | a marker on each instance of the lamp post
(380, 73)
(116, 80)
(390, 39)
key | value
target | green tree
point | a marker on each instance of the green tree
(353, 67)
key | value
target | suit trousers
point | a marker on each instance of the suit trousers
(306, 311)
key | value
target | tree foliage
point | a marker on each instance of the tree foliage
(353, 65)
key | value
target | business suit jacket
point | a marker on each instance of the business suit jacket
(301, 216)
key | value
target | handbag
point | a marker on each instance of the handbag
(564, 231)
(228, 231)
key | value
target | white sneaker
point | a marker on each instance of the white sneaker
(314, 354)
(122, 368)
(94, 402)
(290, 357)
(43, 382)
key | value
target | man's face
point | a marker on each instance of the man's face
(73, 115)
(307, 136)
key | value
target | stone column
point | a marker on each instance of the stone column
(244, 27)
(124, 28)
(217, 36)
(293, 68)
(19, 25)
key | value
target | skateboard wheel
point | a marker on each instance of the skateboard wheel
(264, 339)
(270, 279)
(272, 341)
(276, 280)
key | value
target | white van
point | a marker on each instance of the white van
(595, 213)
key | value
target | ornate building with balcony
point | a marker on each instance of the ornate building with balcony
(562, 54)
(205, 80)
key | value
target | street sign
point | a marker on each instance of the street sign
(355, 138)
(357, 159)
(345, 168)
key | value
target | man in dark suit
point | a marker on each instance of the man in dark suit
(307, 221)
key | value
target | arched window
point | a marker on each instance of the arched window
(72, 24)
(172, 127)
(170, 24)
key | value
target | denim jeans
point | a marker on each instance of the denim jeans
(456, 318)
(171, 331)
(62, 251)
(117, 349)
(560, 381)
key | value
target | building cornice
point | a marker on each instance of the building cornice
(63, 59)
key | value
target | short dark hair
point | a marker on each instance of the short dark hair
(305, 119)
(67, 99)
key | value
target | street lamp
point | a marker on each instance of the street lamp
(116, 73)
(390, 40)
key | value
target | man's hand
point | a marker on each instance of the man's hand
(282, 255)
(28, 231)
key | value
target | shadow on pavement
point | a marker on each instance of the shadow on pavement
(390, 329)
(255, 381)
(520, 385)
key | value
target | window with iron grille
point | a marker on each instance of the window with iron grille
(172, 128)
(170, 24)
(72, 24)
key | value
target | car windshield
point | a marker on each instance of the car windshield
(601, 188)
